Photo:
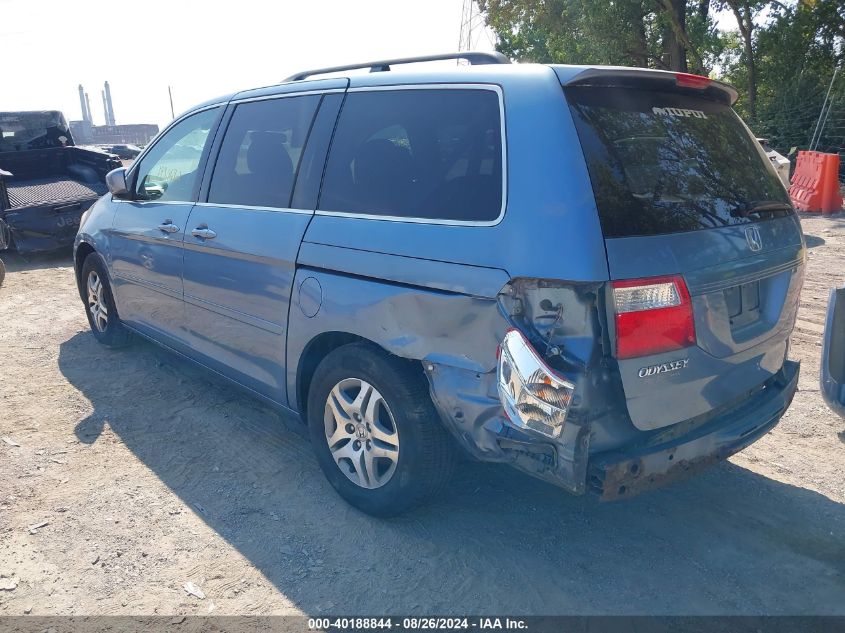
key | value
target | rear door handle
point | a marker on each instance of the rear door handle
(204, 233)
(168, 227)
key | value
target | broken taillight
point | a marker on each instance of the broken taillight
(533, 395)
(686, 80)
(653, 315)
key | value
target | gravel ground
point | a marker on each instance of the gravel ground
(136, 474)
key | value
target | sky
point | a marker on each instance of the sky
(201, 49)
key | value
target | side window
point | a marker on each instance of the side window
(169, 171)
(261, 151)
(432, 154)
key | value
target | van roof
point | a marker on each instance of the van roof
(567, 74)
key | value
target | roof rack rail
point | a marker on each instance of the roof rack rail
(473, 57)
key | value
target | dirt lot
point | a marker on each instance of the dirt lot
(145, 475)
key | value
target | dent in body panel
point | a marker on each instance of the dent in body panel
(476, 281)
(445, 315)
(415, 323)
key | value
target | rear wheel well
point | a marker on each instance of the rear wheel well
(316, 350)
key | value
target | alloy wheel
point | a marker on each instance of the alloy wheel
(361, 433)
(97, 302)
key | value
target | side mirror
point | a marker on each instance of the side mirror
(116, 182)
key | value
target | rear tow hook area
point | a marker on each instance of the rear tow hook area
(625, 473)
(632, 477)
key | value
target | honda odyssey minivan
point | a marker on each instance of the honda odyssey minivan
(588, 273)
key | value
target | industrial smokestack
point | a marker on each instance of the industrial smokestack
(110, 109)
(85, 116)
(105, 106)
(88, 109)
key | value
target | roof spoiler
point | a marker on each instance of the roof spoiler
(656, 79)
(473, 57)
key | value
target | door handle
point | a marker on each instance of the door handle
(204, 233)
(168, 227)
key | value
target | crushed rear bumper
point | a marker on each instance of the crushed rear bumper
(673, 455)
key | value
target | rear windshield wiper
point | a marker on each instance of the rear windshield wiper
(759, 207)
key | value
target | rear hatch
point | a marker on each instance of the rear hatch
(704, 251)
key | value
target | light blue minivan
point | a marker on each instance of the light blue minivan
(588, 273)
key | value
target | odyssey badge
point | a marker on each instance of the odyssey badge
(663, 368)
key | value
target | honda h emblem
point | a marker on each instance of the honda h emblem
(752, 236)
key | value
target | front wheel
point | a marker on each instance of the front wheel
(99, 304)
(375, 431)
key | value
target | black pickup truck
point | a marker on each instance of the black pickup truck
(46, 183)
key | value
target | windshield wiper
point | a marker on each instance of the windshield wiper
(759, 206)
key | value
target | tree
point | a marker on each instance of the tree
(572, 31)
(648, 33)
(745, 13)
(676, 42)
(781, 56)
(796, 50)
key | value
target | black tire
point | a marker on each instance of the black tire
(426, 452)
(112, 334)
(2, 272)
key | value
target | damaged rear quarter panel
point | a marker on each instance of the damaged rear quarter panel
(438, 313)
(445, 315)
(451, 318)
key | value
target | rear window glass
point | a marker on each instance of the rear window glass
(431, 154)
(21, 131)
(666, 162)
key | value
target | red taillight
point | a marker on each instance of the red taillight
(686, 80)
(653, 315)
